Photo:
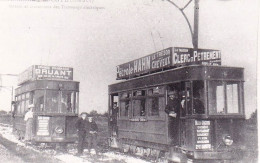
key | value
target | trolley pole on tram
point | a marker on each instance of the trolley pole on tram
(195, 31)
(196, 25)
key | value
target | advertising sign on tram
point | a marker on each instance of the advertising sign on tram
(39, 72)
(152, 62)
(168, 58)
(189, 56)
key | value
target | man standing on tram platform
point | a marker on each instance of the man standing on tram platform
(173, 110)
(82, 125)
(113, 118)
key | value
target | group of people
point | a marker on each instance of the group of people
(87, 129)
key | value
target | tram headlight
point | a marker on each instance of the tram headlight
(59, 130)
(227, 140)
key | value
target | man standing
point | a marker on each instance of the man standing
(82, 125)
(92, 136)
(113, 118)
(28, 117)
(173, 110)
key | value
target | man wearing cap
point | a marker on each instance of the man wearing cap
(113, 118)
(28, 117)
(82, 125)
(173, 110)
(92, 136)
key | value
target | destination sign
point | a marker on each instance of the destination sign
(202, 128)
(39, 72)
(167, 58)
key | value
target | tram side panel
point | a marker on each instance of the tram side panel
(154, 131)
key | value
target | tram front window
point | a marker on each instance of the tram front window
(52, 101)
(67, 101)
(223, 97)
(39, 100)
(61, 101)
(198, 98)
(193, 101)
(232, 97)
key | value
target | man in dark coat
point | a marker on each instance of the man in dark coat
(173, 110)
(113, 118)
(92, 136)
(82, 125)
(198, 105)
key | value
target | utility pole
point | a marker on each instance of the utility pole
(196, 25)
(10, 87)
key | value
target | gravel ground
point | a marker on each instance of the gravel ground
(8, 157)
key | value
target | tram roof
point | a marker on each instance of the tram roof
(65, 85)
(43, 72)
(185, 73)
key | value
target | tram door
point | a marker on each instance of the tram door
(173, 105)
(180, 103)
(113, 114)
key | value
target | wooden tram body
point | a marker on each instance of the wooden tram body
(56, 109)
(143, 126)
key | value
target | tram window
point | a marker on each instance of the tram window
(153, 105)
(26, 105)
(22, 106)
(156, 91)
(27, 95)
(31, 97)
(23, 96)
(76, 103)
(39, 99)
(123, 104)
(125, 95)
(19, 107)
(154, 100)
(67, 101)
(139, 107)
(124, 108)
(139, 93)
(186, 99)
(198, 97)
(52, 101)
(232, 98)
(216, 97)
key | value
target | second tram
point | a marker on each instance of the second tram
(213, 132)
(55, 97)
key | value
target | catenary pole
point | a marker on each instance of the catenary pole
(196, 25)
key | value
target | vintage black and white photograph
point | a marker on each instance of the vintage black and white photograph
(133, 81)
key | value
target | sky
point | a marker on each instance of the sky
(94, 36)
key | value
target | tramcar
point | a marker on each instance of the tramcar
(210, 135)
(56, 99)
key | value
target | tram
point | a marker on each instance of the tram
(55, 95)
(210, 134)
